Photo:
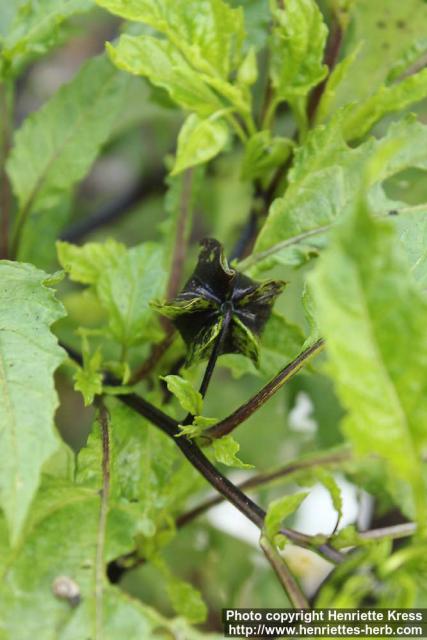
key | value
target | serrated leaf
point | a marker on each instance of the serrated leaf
(199, 141)
(209, 33)
(188, 397)
(160, 62)
(225, 451)
(30, 603)
(280, 509)
(377, 348)
(86, 264)
(34, 28)
(297, 45)
(126, 289)
(29, 355)
(361, 117)
(56, 146)
(326, 178)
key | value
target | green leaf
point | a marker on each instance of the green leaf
(374, 80)
(247, 73)
(165, 67)
(263, 153)
(189, 399)
(87, 263)
(34, 28)
(195, 62)
(356, 285)
(185, 599)
(330, 484)
(199, 141)
(310, 315)
(30, 603)
(56, 146)
(150, 479)
(361, 117)
(88, 379)
(196, 428)
(280, 509)
(412, 231)
(336, 76)
(225, 451)
(29, 355)
(297, 45)
(40, 233)
(209, 33)
(384, 36)
(326, 177)
(126, 289)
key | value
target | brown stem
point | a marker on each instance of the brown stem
(175, 275)
(261, 479)
(241, 414)
(286, 578)
(180, 246)
(403, 530)
(331, 58)
(212, 475)
(5, 189)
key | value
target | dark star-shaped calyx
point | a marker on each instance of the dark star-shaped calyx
(213, 290)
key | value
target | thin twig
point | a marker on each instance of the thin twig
(212, 475)
(241, 414)
(196, 457)
(262, 479)
(215, 478)
(103, 419)
(286, 578)
(133, 560)
(403, 530)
